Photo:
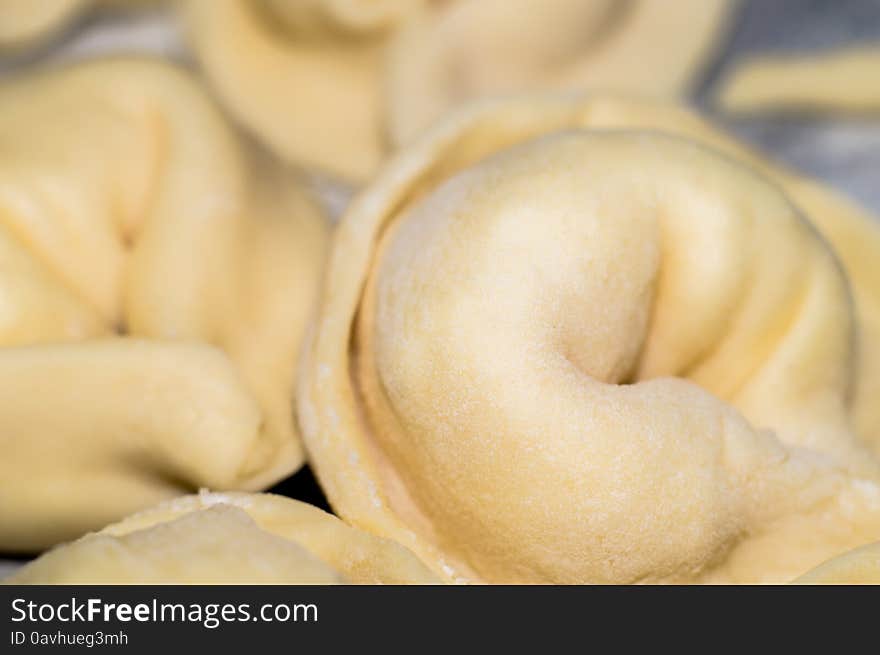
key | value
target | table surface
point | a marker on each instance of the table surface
(843, 151)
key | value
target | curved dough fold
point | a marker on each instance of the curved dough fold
(306, 77)
(457, 51)
(232, 538)
(579, 340)
(156, 283)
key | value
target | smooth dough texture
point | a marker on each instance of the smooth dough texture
(157, 278)
(459, 50)
(305, 76)
(839, 80)
(586, 340)
(859, 566)
(231, 538)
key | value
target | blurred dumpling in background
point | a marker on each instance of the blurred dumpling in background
(233, 538)
(851, 230)
(458, 50)
(306, 76)
(157, 280)
(335, 84)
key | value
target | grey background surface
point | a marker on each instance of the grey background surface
(843, 151)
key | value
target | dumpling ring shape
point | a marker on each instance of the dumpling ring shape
(552, 353)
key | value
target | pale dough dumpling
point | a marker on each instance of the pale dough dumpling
(157, 279)
(335, 84)
(231, 538)
(459, 50)
(859, 566)
(852, 232)
(560, 343)
(305, 76)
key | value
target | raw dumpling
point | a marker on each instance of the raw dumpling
(157, 278)
(232, 538)
(462, 49)
(327, 82)
(565, 340)
(839, 80)
(305, 76)
(853, 233)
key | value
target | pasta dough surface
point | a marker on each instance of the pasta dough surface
(25, 22)
(156, 284)
(336, 84)
(233, 538)
(581, 340)
(456, 51)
